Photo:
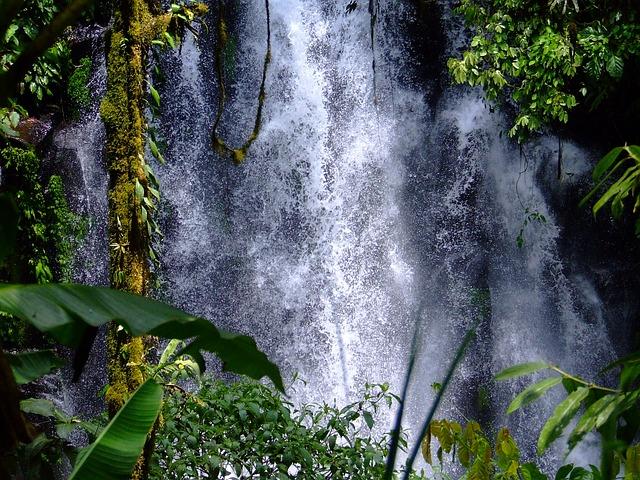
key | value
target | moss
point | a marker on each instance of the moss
(135, 26)
(67, 230)
(124, 367)
(78, 87)
(49, 232)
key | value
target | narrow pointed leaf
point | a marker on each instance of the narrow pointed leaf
(521, 370)
(155, 95)
(115, 452)
(605, 163)
(560, 418)
(596, 415)
(634, 152)
(532, 393)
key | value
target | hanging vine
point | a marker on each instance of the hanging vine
(237, 154)
(374, 9)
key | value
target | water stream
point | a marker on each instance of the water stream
(364, 208)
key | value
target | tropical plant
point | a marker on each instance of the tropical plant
(248, 430)
(78, 91)
(545, 60)
(614, 413)
(482, 460)
(627, 186)
(70, 313)
(45, 75)
(475, 453)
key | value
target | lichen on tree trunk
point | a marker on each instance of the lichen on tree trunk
(136, 23)
(122, 111)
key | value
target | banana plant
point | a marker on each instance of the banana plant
(68, 312)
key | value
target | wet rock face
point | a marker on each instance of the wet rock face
(33, 131)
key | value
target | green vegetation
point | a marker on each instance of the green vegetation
(250, 429)
(48, 231)
(626, 188)
(68, 313)
(546, 65)
(547, 58)
(44, 79)
(78, 87)
(614, 413)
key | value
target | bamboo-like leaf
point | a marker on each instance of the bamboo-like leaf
(115, 452)
(170, 40)
(30, 366)
(595, 416)
(521, 370)
(139, 189)
(619, 186)
(155, 151)
(634, 152)
(605, 163)
(602, 181)
(560, 418)
(434, 406)
(532, 393)
(66, 311)
(155, 95)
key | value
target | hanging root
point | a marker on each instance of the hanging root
(373, 13)
(237, 154)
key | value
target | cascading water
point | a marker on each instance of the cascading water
(366, 207)
(79, 147)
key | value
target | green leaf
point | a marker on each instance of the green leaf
(170, 39)
(30, 366)
(594, 417)
(155, 151)
(520, 370)
(560, 418)
(368, 418)
(169, 350)
(116, 450)
(14, 118)
(66, 311)
(11, 30)
(139, 189)
(533, 392)
(44, 407)
(564, 471)
(605, 163)
(632, 463)
(155, 95)
(615, 66)
(634, 152)
(530, 472)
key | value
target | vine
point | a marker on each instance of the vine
(237, 154)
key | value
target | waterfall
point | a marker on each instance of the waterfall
(78, 146)
(375, 204)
